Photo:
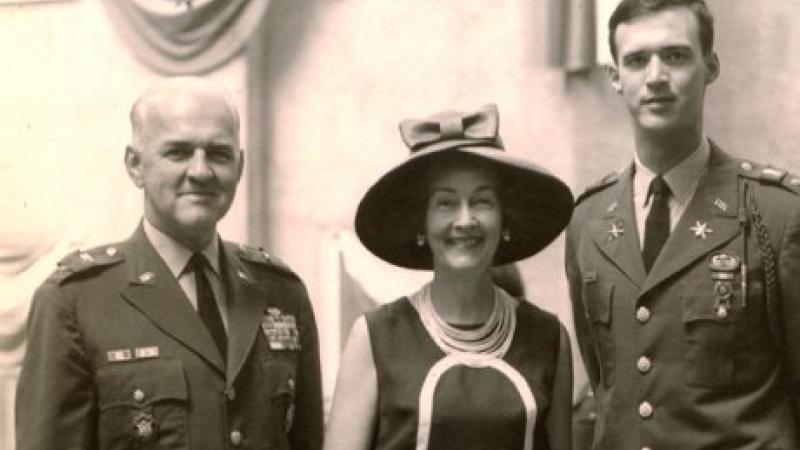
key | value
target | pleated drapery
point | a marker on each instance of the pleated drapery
(572, 35)
(186, 37)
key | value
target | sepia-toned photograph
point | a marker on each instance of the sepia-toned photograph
(400, 224)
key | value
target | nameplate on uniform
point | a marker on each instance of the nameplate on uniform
(280, 330)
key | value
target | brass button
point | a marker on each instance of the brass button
(236, 437)
(138, 395)
(643, 314)
(645, 410)
(644, 364)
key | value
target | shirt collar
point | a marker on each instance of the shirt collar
(175, 254)
(681, 179)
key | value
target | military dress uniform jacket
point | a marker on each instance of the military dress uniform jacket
(117, 358)
(703, 352)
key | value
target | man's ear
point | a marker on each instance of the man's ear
(133, 164)
(713, 65)
(612, 71)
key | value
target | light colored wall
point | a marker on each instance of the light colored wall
(67, 85)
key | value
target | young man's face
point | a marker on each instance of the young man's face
(661, 71)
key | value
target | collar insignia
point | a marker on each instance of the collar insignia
(701, 229)
(615, 231)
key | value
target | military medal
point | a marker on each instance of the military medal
(280, 330)
(144, 427)
(723, 271)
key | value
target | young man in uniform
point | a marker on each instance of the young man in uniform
(684, 268)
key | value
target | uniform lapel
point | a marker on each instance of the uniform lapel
(614, 230)
(710, 220)
(247, 302)
(154, 291)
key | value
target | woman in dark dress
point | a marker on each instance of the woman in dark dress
(460, 364)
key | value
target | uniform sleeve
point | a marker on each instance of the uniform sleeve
(583, 328)
(306, 432)
(55, 405)
(789, 269)
(559, 419)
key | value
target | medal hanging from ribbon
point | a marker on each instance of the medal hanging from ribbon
(723, 271)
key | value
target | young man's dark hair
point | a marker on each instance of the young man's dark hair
(631, 9)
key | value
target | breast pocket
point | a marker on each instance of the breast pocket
(143, 405)
(598, 296)
(708, 339)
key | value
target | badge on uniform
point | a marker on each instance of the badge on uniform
(280, 330)
(723, 271)
(144, 426)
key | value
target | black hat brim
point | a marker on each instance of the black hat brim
(536, 207)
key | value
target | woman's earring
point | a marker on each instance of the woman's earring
(506, 236)
(420, 240)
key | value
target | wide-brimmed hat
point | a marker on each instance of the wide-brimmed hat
(536, 206)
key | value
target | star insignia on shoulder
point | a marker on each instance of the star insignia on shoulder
(701, 229)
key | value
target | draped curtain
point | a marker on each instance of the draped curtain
(182, 37)
(572, 34)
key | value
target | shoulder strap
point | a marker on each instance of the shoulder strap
(604, 182)
(85, 261)
(261, 257)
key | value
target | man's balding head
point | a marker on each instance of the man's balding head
(179, 93)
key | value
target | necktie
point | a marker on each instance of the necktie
(207, 305)
(656, 227)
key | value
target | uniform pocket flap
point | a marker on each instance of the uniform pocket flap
(140, 383)
(696, 309)
(598, 296)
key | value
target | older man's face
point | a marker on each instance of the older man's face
(189, 163)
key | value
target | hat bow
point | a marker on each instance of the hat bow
(480, 126)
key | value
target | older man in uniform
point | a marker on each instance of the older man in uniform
(684, 268)
(173, 338)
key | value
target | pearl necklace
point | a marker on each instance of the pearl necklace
(493, 338)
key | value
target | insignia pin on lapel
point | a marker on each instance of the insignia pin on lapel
(701, 229)
(615, 231)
